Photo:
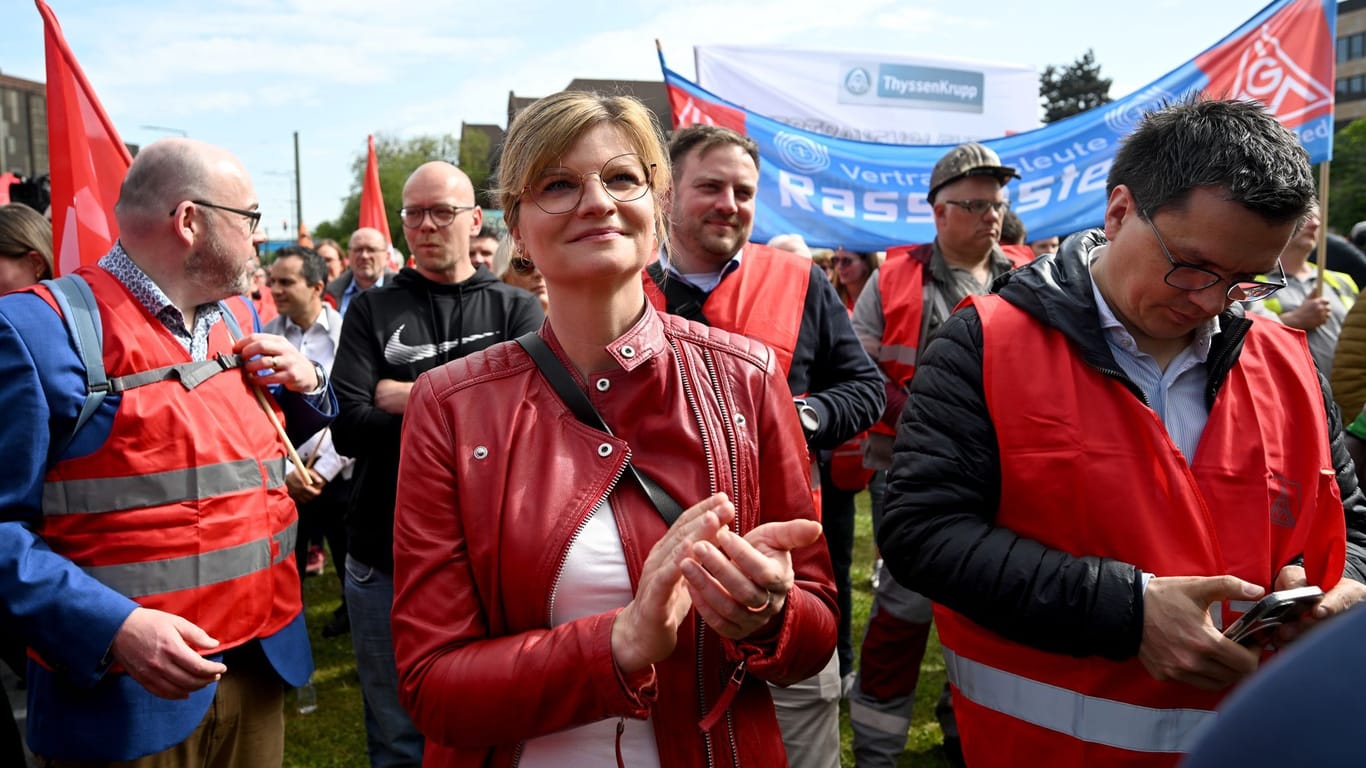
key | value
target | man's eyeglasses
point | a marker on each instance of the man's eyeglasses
(442, 215)
(559, 190)
(253, 217)
(1189, 277)
(979, 207)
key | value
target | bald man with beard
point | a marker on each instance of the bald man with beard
(437, 311)
(147, 557)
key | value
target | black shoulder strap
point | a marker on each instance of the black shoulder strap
(563, 383)
(681, 298)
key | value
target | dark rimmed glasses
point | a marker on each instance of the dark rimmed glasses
(979, 207)
(559, 190)
(442, 215)
(253, 217)
(1189, 277)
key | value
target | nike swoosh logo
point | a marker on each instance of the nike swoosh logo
(398, 353)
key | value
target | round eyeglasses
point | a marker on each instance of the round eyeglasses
(558, 190)
(1189, 277)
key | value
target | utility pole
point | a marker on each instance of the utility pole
(298, 186)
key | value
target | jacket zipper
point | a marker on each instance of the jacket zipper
(1128, 383)
(702, 690)
(732, 447)
(731, 440)
(701, 626)
(691, 396)
(559, 570)
(1215, 379)
(578, 530)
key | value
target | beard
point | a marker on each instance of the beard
(213, 266)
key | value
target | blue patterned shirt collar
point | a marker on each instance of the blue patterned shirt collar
(122, 267)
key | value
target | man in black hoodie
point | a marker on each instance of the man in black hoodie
(443, 309)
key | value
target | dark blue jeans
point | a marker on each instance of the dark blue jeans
(390, 735)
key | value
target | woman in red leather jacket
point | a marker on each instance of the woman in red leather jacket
(544, 612)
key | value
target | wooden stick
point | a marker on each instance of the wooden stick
(318, 450)
(1323, 227)
(279, 428)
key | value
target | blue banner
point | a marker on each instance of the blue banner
(869, 197)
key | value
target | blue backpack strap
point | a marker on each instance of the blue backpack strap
(234, 327)
(82, 316)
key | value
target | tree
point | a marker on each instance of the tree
(1073, 89)
(474, 161)
(1347, 178)
(397, 159)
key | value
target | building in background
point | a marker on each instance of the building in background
(23, 126)
(1350, 88)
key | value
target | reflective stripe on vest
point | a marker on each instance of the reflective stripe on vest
(1347, 295)
(897, 353)
(110, 494)
(1088, 718)
(156, 577)
(901, 286)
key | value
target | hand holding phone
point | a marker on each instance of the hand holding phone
(1256, 627)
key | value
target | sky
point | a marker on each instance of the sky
(247, 74)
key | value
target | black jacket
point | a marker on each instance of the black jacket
(938, 534)
(828, 363)
(399, 331)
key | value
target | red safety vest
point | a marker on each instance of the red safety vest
(847, 471)
(1019, 255)
(1087, 468)
(763, 299)
(901, 286)
(184, 507)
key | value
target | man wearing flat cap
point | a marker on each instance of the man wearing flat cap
(897, 314)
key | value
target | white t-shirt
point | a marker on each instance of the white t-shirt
(594, 580)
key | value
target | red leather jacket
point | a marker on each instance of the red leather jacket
(496, 478)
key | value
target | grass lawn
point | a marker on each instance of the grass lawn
(334, 735)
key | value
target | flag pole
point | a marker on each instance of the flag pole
(1323, 227)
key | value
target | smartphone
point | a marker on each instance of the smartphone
(1255, 628)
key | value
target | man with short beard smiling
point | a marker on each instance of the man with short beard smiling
(146, 556)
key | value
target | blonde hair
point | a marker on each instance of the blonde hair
(544, 131)
(23, 229)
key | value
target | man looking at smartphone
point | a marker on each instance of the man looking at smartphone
(1104, 463)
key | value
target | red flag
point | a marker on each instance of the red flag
(372, 199)
(1288, 63)
(88, 159)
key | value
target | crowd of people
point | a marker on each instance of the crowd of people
(588, 479)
